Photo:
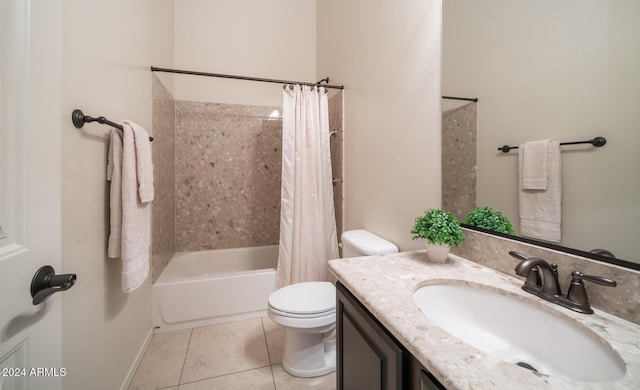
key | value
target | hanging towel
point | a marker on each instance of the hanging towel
(114, 175)
(540, 209)
(130, 171)
(534, 165)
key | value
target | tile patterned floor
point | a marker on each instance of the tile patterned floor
(234, 356)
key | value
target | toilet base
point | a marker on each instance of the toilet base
(309, 354)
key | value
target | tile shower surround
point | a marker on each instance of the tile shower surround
(228, 168)
(228, 174)
(163, 217)
(335, 124)
(459, 139)
(226, 160)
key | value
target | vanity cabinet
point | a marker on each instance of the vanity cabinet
(419, 378)
(368, 356)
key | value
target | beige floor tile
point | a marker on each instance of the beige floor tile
(284, 381)
(258, 379)
(275, 339)
(162, 362)
(224, 349)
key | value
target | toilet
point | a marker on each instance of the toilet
(308, 312)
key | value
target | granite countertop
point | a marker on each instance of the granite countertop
(385, 284)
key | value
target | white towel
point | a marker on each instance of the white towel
(541, 209)
(130, 171)
(534, 165)
(114, 175)
(144, 165)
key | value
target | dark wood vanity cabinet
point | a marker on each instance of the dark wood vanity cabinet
(419, 378)
(368, 356)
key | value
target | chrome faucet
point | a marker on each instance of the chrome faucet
(547, 287)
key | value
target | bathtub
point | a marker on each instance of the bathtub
(213, 286)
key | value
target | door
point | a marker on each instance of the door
(368, 358)
(30, 125)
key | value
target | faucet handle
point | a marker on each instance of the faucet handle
(518, 255)
(601, 280)
(577, 297)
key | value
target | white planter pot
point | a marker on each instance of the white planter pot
(437, 253)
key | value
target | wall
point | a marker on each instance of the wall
(561, 70)
(271, 39)
(163, 213)
(387, 54)
(107, 49)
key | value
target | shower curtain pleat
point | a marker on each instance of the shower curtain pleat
(308, 235)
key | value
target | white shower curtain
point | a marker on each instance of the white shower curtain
(307, 218)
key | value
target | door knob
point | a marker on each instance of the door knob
(45, 283)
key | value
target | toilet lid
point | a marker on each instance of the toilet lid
(304, 298)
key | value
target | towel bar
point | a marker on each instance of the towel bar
(597, 142)
(79, 119)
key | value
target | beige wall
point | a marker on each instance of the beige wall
(270, 39)
(562, 70)
(387, 54)
(107, 49)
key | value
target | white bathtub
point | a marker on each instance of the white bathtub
(213, 286)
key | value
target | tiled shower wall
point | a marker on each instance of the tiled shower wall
(459, 140)
(228, 168)
(163, 154)
(335, 124)
(218, 173)
(228, 174)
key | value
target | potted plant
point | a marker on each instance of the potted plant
(489, 219)
(441, 230)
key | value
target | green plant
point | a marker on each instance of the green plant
(438, 227)
(489, 219)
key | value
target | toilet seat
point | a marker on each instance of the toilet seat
(304, 300)
(301, 316)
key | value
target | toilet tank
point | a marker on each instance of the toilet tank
(363, 243)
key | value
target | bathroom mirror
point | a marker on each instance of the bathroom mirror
(567, 71)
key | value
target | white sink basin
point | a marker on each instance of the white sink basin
(519, 333)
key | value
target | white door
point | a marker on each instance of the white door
(30, 125)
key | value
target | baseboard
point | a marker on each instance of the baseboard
(136, 361)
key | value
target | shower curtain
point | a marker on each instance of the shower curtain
(307, 218)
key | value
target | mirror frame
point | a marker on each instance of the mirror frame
(577, 252)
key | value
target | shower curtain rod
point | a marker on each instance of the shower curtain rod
(228, 76)
(460, 98)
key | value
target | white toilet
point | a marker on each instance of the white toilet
(308, 312)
